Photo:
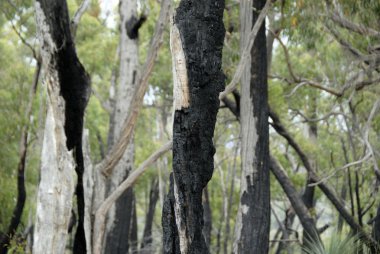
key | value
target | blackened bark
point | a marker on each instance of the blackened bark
(117, 240)
(75, 89)
(376, 226)
(169, 227)
(133, 232)
(133, 25)
(201, 30)
(253, 223)
(147, 235)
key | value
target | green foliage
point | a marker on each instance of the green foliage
(337, 244)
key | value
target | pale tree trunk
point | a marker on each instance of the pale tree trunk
(119, 222)
(68, 92)
(253, 219)
(196, 42)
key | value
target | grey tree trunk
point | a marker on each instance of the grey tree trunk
(196, 43)
(307, 221)
(253, 219)
(120, 215)
(68, 93)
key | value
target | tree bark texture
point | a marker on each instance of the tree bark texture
(119, 218)
(253, 219)
(196, 43)
(68, 87)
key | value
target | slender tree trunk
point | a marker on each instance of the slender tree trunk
(310, 231)
(196, 40)
(376, 226)
(146, 244)
(207, 217)
(134, 229)
(21, 192)
(253, 221)
(308, 195)
(323, 186)
(119, 222)
(68, 92)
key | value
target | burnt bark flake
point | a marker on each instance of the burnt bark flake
(201, 33)
(253, 220)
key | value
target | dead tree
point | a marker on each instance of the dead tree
(253, 219)
(68, 87)
(196, 40)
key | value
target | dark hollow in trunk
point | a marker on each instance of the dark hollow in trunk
(200, 24)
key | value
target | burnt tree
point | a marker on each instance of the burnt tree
(196, 41)
(253, 219)
(68, 87)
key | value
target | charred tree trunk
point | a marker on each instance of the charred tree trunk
(196, 43)
(68, 91)
(376, 227)
(253, 221)
(146, 244)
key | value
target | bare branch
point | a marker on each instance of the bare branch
(366, 138)
(349, 25)
(245, 56)
(116, 153)
(77, 16)
(302, 81)
(23, 40)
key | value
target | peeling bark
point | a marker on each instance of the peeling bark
(253, 219)
(201, 33)
(68, 87)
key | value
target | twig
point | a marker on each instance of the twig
(77, 17)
